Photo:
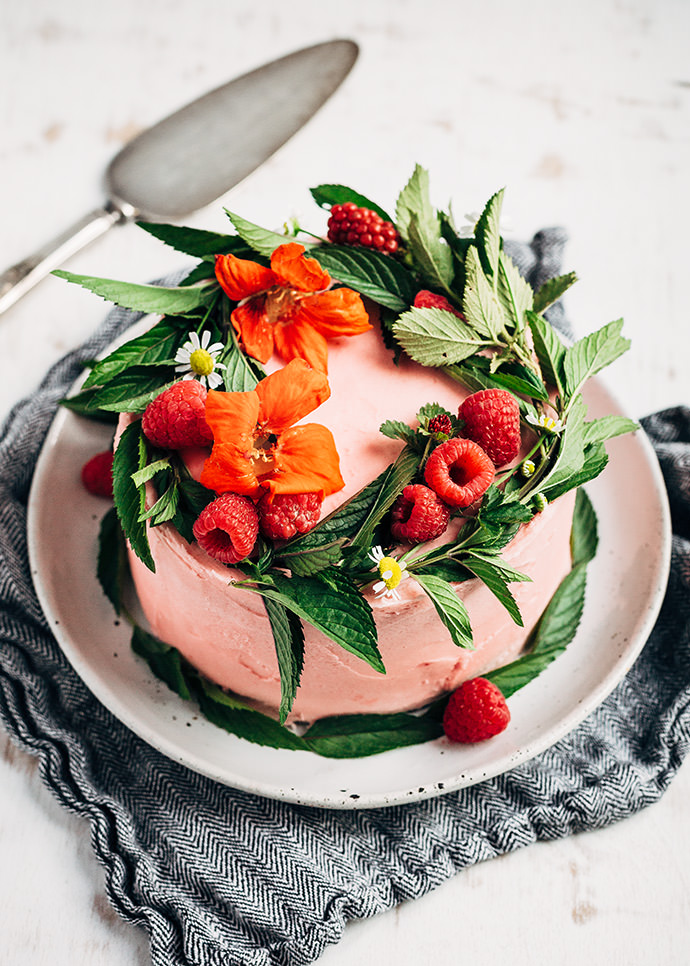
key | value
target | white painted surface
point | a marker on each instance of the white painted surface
(583, 112)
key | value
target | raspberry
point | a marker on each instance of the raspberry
(459, 471)
(418, 515)
(492, 419)
(441, 424)
(228, 527)
(429, 300)
(97, 474)
(350, 225)
(177, 417)
(288, 514)
(475, 712)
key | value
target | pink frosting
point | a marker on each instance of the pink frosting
(191, 603)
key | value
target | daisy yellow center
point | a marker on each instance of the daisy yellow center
(548, 422)
(201, 362)
(390, 572)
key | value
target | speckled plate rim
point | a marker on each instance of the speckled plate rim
(625, 591)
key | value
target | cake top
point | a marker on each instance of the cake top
(236, 368)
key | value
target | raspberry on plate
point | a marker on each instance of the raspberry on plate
(492, 419)
(288, 514)
(459, 471)
(227, 528)
(176, 418)
(97, 474)
(475, 712)
(418, 515)
(350, 225)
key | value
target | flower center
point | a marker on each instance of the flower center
(280, 304)
(262, 453)
(201, 362)
(390, 572)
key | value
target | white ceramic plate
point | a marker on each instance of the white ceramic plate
(624, 593)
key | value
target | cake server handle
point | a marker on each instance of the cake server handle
(20, 278)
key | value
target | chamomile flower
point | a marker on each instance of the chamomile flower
(548, 423)
(391, 573)
(199, 360)
(467, 230)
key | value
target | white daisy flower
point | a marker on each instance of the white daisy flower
(199, 360)
(472, 217)
(545, 422)
(391, 573)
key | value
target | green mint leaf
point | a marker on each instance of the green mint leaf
(239, 719)
(554, 632)
(514, 293)
(607, 427)
(82, 404)
(494, 574)
(259, 239)
(241, 373)
(112, 559)
(414, 200)
(165, 662)
(133, 389)
(550, 351)
(584, 536)
(360, 735)
(148, 472)
(445, 569)
(552, 290)
(327, 195)
(379, 277)
(394, 429)
(487, 234)
(419, 224)
(570, 458)
(592, 353)
(183, 300)
(595, 459)
(435, 337)
(155, 346)
(289, 643)
(449, 608)
(480, 303)
(305, 563)
(475, 374)
(336, 608)
(196, 242)
(389, 486)
(128, 459)
(165, 507)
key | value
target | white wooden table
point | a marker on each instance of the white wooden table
(583, 112)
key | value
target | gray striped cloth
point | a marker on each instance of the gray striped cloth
(218, 876)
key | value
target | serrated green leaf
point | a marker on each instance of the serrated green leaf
(112, 559)
(449, 608)
(475, 374)
(514, 293)
(260, 239)
(157, 345)
(165, 507)
(595, 460)
(570, 457)
(131, 390)
(584, 536)
(340, 612)
(360, 735)
(148, 472)
(82, 404)
(431, 253)
(196, 242)
(592, 354)
(414, 199)
(435, 337)
(241, 373)
(395, 429)
(126, 461)
(389, 486)
(157, 299)
(289, 643)
(166, 662)
(550, 351)
(238, 719)
(552, 290)
(487, 234)
(309, 562)
(327, 195)
(480, 303)
(495, 575)
(607, 427)
(378, 277)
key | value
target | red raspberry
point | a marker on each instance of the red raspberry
(441, 424)
(288, 514)
(459, 471)
(228, 527)
(97, 474)
(177, 417)
(418, 515)
(492, 419)
(430, 300)
(350, 225)
(475, 712)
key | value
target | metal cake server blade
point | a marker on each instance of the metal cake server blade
(195, 155)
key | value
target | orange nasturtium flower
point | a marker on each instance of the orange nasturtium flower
(286, 308)
(256, 444)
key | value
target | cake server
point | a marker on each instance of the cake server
(190, 158)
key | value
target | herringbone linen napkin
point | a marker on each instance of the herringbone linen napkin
(218, 876)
